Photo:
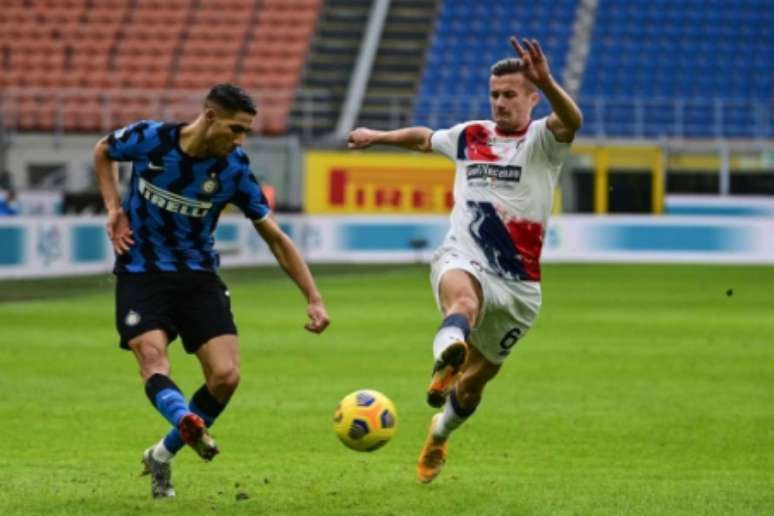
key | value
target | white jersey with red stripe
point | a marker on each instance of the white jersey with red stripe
(503, 191)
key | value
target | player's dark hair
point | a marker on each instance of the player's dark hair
(230, 98)
(509, 66)
(506, 67)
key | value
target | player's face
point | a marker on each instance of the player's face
(511, 101)
(226, 131)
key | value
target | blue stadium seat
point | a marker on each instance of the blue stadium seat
(688, 53)
(677, 59)
(469, 37)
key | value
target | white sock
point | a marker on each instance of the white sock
(160, 452)
(445, 337)
(448, 422)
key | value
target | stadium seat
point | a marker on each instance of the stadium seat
(469, 36)
(626, 63)
(110, 53)
(634, 37)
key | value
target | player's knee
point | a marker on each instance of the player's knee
(224, 379)
(466, 305)
(151, 358)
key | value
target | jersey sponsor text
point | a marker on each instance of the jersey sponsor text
(173, 202)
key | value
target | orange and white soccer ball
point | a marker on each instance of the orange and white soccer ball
(365, 420)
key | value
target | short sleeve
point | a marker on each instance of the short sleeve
(250, 197)
(445, 141)
(554, 151)
(130, 142)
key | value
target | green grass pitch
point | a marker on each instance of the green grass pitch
(641, 390)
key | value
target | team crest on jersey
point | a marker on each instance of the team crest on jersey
(210, 186)
(132, 318)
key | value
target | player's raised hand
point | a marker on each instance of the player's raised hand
(361, 138)
(535, 63)
(318, 317)
(119, 232)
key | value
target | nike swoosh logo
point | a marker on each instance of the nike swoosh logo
(153, 166)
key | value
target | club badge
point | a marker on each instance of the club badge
(132, 318)
(210, 186)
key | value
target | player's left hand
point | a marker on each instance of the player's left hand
(119, 231)
(318, 317)
(535, 63)
(361, 138)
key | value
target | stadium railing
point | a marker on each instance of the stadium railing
(630, 117)
(61, 110)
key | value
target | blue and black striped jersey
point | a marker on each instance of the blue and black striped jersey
(174, 200)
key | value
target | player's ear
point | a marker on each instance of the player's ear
(210, 115)
(534, 98)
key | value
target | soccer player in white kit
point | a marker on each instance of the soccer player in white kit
(486, 274)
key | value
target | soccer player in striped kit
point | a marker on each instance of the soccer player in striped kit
(183, 175)
(486, 274)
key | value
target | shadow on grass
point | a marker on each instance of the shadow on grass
(77, 286)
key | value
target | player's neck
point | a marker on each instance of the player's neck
(192, 140)
(511, 132)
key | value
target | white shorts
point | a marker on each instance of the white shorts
(508, 310)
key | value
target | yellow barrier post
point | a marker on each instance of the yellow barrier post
(556, 208)
(601, 189)
(659, 180)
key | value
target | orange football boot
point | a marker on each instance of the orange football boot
(194, 433)
(445, 373)
(433, 455)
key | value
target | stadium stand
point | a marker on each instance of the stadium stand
(329, 66)
(83, 65)
(699, 68)
(469, 37)
(656, 68)
(396, 70)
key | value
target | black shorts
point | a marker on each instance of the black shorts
(194, 304)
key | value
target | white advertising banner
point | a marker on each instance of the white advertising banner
(59, 245)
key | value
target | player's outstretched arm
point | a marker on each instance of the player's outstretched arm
(414, 138)
(118, 230)
(291, 261)
(566, 118)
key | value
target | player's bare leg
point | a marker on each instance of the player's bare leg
(219, 358)
(461, 296)
(462, 402)
(150, 350)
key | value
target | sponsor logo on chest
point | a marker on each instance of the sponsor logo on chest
(489, 172)
(173, 202)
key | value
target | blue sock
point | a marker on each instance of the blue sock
(454, 328)
(165, 396)
(457, 321)
(204, 405)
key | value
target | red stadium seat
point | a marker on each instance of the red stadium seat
(99, 56)
(167, 4)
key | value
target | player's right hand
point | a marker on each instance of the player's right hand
(535, 63)
(118, 230)
(361, 138)
(318, 317)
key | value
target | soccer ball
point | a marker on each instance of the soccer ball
(365, 420)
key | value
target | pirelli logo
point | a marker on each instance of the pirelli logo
(378, 183)
(173, 202)
(489, 171)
